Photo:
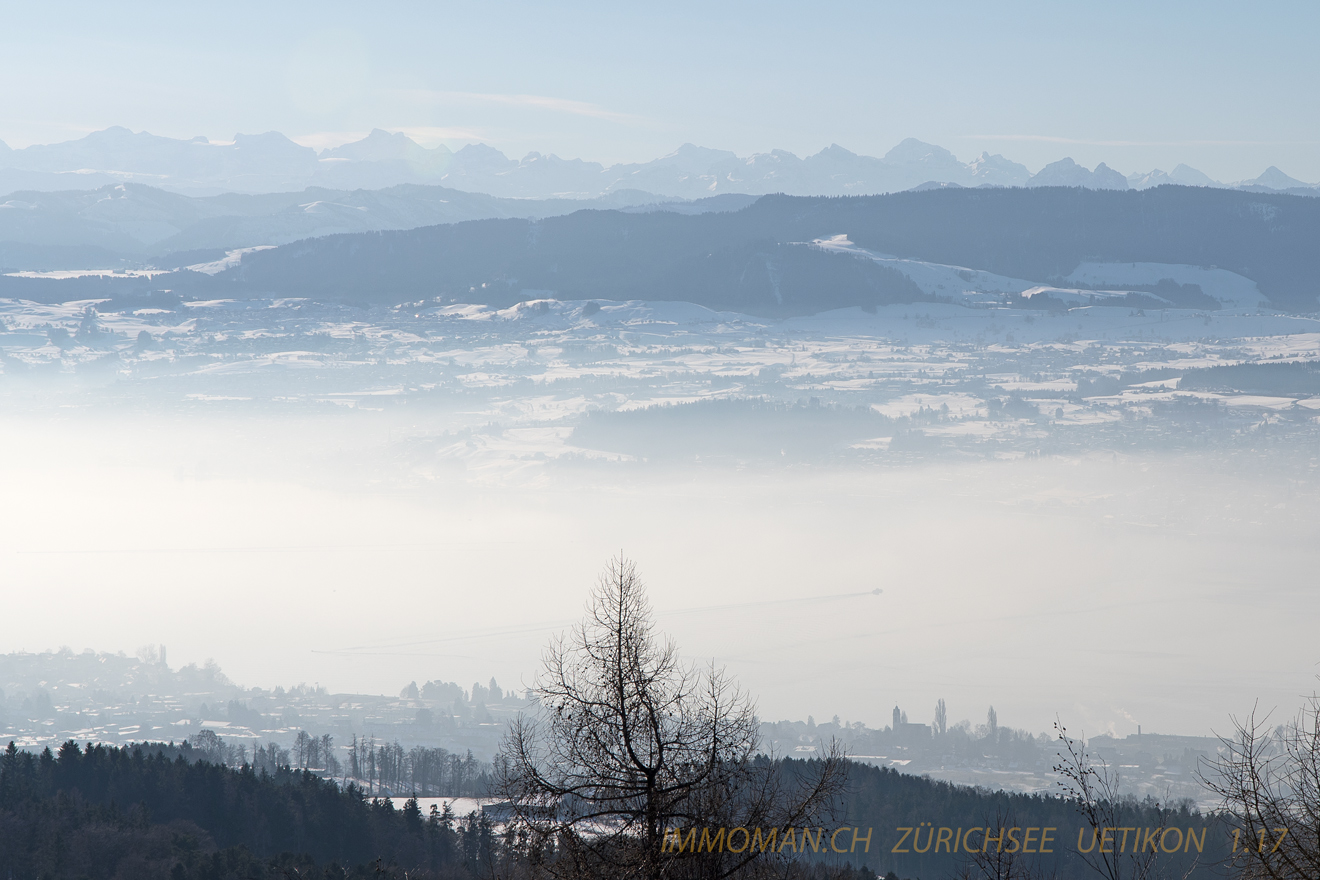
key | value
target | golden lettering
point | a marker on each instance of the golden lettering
(691, 842)
(712, 842)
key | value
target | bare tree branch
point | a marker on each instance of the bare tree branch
(631, 743)
(1269, 782)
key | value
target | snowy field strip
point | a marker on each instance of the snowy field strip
(520, 381)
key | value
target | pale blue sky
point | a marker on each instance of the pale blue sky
(1226, 87)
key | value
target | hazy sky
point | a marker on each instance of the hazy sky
(1228, 88)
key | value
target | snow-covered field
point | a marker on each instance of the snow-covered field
(512, 388)
(368, 497)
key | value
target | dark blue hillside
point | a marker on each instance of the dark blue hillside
(717, 259)
(758, 260)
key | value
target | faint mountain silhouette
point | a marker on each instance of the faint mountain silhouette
(1066, 172)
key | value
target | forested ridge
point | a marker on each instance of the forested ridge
(148, 811)
(884, 800)
(157, 810)
(757, 260)
(747, 260)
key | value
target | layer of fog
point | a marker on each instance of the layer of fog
(1169, 591)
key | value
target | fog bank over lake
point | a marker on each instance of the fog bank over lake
(1167, 590)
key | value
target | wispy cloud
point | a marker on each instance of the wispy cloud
(539, 102)
(1052, 139)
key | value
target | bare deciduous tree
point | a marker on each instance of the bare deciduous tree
(1002, 863)
(1270, 785)
(632, 743)
(1093, 789)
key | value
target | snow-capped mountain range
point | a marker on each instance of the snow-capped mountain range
(271, 162)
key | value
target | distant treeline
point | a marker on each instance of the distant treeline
(149, 812)
(886, 801)
(1277, 378)
(382, 769)
(745, 259)
(501, 263)
(756, 260)
(1284, 379)
(390, 769)
(155, 811)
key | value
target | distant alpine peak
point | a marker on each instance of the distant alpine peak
(271, 162)
(834, 150)
(691, 150)
(998, 170)
(482, 150)
(1182, 175)
(385, 146)
(913, 150)
(1189, 176)
(1066, 172)
(266, 137)
(1273, 178)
